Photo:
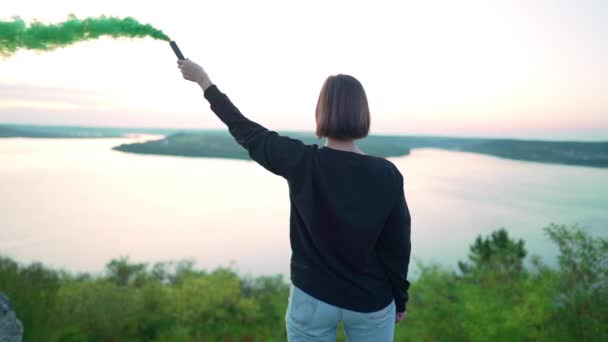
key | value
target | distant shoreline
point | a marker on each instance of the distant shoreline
(219, 144)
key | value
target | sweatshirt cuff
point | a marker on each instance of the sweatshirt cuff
(212, 93)
(400, 306)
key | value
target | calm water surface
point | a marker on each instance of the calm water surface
(76, 204)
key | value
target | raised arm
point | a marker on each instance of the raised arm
(278, 154)
(394, 248)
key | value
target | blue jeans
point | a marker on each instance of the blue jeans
(309, 319)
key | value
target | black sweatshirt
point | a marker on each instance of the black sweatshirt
(349, 221)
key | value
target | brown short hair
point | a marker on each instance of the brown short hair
(342, 112)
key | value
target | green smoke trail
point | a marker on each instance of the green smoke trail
(16, 34)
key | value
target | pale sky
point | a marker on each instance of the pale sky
(525, 69)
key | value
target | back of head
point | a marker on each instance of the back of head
(342, 111)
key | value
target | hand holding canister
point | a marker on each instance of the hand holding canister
(194, 72)
(190, 70)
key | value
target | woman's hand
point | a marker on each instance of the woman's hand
(400, 316)
(194, 72)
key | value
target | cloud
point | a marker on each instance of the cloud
(16, 95)
(11, 104)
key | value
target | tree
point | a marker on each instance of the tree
(582, 301)
(497, 252)
(122, 273)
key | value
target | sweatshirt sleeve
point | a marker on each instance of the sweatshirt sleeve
(394, 248)
(278, 154)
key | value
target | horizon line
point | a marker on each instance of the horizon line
(434, 135)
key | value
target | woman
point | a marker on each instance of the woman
(349, 222)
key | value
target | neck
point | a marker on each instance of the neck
(343, 145)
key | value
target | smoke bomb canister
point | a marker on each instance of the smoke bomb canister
(177, 51)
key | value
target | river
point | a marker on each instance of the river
(76, 204)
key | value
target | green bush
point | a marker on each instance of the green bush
(490, 297)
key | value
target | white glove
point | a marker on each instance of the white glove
(194, 72)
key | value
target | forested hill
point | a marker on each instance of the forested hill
(222, 145)
(219, 144)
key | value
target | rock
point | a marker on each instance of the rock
(11, 329)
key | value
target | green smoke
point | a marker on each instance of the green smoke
(16, 34)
